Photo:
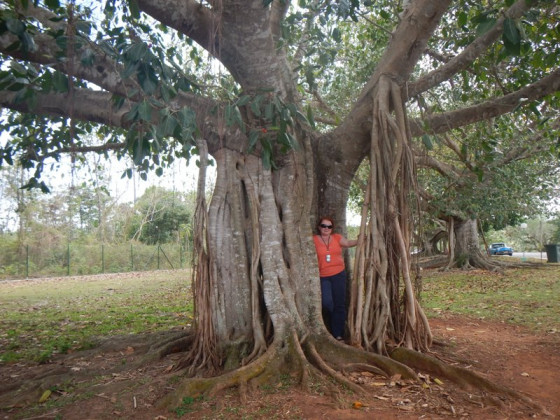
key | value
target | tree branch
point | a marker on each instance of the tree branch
(401, 55)
(89, 106)
(188, 17)
(469, 54)
(104, 72)
(426, 161)
(440, 123)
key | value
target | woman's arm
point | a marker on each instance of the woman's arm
(348, 243)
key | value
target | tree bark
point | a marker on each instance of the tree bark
(464, 246)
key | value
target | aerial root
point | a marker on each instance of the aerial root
(305, 366)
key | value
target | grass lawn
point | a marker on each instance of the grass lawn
(41, 317)
(525, 296)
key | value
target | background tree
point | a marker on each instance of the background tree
(160, 217)
(258, 305)
(489, 178)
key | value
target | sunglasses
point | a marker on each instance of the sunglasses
(326, 226)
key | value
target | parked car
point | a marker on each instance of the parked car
(500, 248)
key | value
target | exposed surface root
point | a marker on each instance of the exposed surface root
(299, 361)
(462, 377)
(108, 380)
(363, 367)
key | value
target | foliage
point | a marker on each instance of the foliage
(555, 237)
(495, 177)
(161, 216)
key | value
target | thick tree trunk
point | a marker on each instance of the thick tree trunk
(464, 247)
(262, 262)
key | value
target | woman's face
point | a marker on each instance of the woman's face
(325, 227)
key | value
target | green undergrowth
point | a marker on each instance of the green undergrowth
(43, 317)
(524, 296)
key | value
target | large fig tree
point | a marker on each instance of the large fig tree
(135, 72)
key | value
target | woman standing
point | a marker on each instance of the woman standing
(333, 274)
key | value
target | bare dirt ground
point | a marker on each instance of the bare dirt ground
(108, 383)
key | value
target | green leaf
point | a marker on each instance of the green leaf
(266, 154)
(60, 82)
(145, 111)
(238, 118)
(268, 112)
(167, 126)
(253, 137)
(244, 100)
(15, 26)
(137, 51)
(256, 105)
(485, 25)
(52, 4)
(83, 27)
(336, 35)
(118, 102)
(511, 48)
(462, 19)
(310, 118)
(27, 42)
(129, 69)
(132, 115)
(87, 57)
(427, 142)
(147, 78)
(511, 32)
(134, 9)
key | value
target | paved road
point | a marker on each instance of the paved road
(537, 255)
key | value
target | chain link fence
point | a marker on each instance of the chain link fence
(32, 261)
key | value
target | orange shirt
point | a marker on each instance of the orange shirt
(332, 248)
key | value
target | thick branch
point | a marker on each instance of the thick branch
(189, 17)
(408, 43)
(444, 169)
(440, 123)
(89, 106)
(469, 54)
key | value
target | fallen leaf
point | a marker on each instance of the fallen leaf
(377, 384)
(357, 405)
(45, 396)
(525, 374)
(437, 381)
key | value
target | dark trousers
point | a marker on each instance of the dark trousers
(333, 297)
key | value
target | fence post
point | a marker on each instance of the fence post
(27, 261)
(103, 258)
(158, 257)
(181, 256)
(68, 269)
(131, 259)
